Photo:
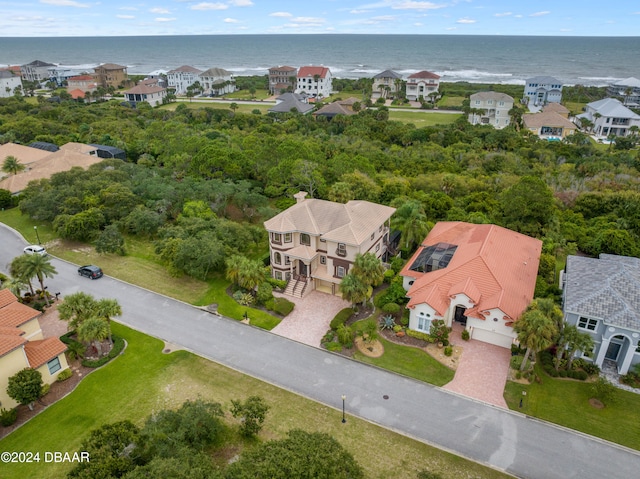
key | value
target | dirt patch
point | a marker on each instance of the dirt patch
(374, 349)
(596, 403)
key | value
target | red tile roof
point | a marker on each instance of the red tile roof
(7, 297)
(9, 342)
(81, 78)
(311, 71)
(16, 314)
(77, 93)
(42, 351)
(425, 74)
(493, 266)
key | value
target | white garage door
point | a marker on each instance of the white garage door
(492, 338)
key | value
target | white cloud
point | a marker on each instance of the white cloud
(280, 14)
(356, 12)
(505, 14)
(128, 8)
(65, 3)
(230, 20)
(466, 20)
(241, 3)
(308, 20)
(517, 16)
(165, 19)
(413, 5)
(209, 6)
(540, 14)
(125, 17)
(160, 10)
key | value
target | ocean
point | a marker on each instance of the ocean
(479, 59)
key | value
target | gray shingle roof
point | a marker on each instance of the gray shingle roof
(607, 288)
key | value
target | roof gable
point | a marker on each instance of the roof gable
(425, 74)
(16, 314)
(42, 351)
(311, 71)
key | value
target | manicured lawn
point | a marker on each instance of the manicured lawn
(246, 95)
(566, 402)
(144, 380)
(421, 118)
(448, 101)
(574, 106)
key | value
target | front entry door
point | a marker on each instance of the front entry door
(459, 315)
(303, 269)
(612, 351)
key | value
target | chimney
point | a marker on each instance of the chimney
(300, 196)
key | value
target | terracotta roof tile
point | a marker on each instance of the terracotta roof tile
(424, 74)
(7, 297)
(16, 314)
(494, 266)
(9, 342)
(310, 71)
(42, 351)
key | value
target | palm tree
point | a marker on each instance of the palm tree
(40, 266)
(14, 285)
(233, 106)
(93, 330)
(76, 308)
(411, 220)
(12, 166)
(353, 289)
(18, 269)
(107, 308)
(234, 264)
(572, 340)
(369, 269)
(536, 331)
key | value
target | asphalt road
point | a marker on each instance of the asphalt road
(508, 441)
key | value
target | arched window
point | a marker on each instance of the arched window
(277, 258)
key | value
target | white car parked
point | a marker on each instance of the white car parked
(35, 249)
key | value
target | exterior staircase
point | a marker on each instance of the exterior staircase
(296, 287)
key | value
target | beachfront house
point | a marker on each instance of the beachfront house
(385, 83)
(217, 82)
(9, 83)
(22, 345)
(111, 75)
(548, 125)
(540, 90)
(481, 276)
(313, 243)
(36, 71)
(152, 94)
(84, 83)
(181, 78)
(291, 102)
(282, 79)
(601, 297)
(628, 90)
(422, 86)
(339, 107)
(490, 108)
(314, 81)
(609, 117)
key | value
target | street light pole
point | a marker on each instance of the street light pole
(343, 399)
(37, 235)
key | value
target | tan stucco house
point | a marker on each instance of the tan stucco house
(313, 244)
(22, 345)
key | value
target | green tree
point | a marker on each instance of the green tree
(40, 266)
(76, 308)
(12, 165)
(528, 206)
(25, 386)
(308, 456)
(368, 269)
(110, 241)
(353, 289)
(93, 330)
(412, 223)
(107, 308)
(19, 269)
(251, 414)
(536, 331)
(246, 273)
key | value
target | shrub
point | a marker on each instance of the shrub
(391, 308)
(439, 331)
(345, 335)
(283, 306)
(465, 335)
(118, 346)
(245, 299)
(388, 275)
(516, 362)
(64, 375)
(328, 337)
(603, 390)
(562, 373)
(591, 369)
(251, 413)
(279, 284)
(341, 318)
(333, 346)
(387, 322)
(397, 328)
(419, 335)
(448, 351)
(45, 390)
(518, 375)
(8, 416)
(370, 331)
(264, 293)
(270, 304)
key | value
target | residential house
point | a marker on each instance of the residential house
(61, 74)
(217, 81)
(548, 125)
(282, 79)
(43, 163)
(601, 296)
(340, 107)
(628, 90)
(480, 275)
(153, 95)
(9, 83)
(22, 345)
(420, 85)
(557, 108)
(315, 81)
(84, 83)
(540, 90)
(36, 71)
(609, 117)
(313, 244)
(288, 102)
(111, 75)
(182, 78)
(386, 82)
(490, 108)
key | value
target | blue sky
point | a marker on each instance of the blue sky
(44, 18)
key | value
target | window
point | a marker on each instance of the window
(424, 323)
(277, 258)
(588, 324)
(305, 239)
(278, 275)
(340, 271)
(287, 259)
(54, 365)
(323, 260)
(276, 237)
(287, 237)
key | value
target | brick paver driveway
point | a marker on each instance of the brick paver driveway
(309, 321)
(482, 371)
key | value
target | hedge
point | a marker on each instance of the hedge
(419, 335)
(341, 318)
(118, 346)
(283, 306)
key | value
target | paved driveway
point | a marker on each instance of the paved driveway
(309, 321)
(482, 371)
